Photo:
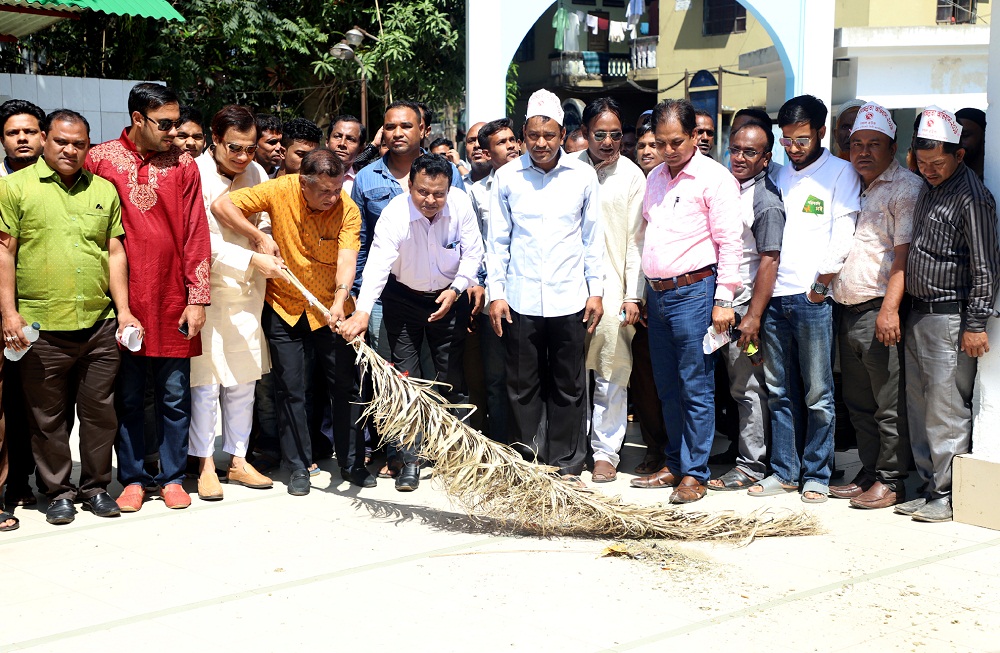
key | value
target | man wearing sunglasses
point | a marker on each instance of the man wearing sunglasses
(821, 195)
(763, 217)
(167, 245)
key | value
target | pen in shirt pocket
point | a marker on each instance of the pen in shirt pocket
(453, 245)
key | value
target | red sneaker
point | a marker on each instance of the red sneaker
(174, 496)
(130, 500)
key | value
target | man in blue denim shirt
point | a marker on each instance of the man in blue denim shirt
(381, 181)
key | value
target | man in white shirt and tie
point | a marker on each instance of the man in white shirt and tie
(425, 254)
(545, 281)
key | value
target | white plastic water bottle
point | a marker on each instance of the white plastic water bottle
(31, 335)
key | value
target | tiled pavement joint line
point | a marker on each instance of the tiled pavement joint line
(245, 594)
(796, 596)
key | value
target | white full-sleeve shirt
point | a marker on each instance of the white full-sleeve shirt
(545, 248)
(423, 254)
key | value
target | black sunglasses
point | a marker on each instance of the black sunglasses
(165, 124)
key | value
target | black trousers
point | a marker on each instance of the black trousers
(546, 387)
(295, 349)
(89, 359)
(405, 314)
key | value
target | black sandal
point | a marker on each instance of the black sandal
(734, 479)
(651, 463)
(6, 516)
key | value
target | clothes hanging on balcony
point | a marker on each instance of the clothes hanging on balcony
(634, 12)
(616, 33)
(559, 25)
(571, 39)
(592, 23)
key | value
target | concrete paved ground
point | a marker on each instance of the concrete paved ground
(350, 569)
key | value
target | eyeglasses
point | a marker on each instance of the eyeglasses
(798, 142)
(746, 154)
(165, 124)
(599, 136)
(239, 149)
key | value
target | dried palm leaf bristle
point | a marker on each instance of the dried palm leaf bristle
(491, 480)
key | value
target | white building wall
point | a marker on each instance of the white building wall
(104, 102)
(951, 82)
(986, 402)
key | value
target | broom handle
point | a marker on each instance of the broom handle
(311, 298)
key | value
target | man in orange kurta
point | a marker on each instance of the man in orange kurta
(316, 230)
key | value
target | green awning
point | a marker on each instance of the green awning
(19, 18)
(144, 8)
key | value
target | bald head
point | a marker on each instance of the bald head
(475, 153)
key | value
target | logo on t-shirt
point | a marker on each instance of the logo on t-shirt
(813, 205)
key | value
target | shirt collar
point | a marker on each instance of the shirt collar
(525, 162)
(690, 168)
(6, 166)
(886, 175)
(953, 180)
(130, 146)
(416, 215)
(814, 166)
(45, 172)
(753, 180)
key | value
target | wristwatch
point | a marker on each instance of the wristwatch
(458, 293)
(723, 303)
(820, 289)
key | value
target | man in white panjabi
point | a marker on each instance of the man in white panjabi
(234, 354)
(609, 350)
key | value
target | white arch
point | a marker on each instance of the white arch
(500, 25)
(802, 32)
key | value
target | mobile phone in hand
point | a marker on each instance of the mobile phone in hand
(183, 328)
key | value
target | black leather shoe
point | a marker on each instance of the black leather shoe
(60, 511)
(523, 450)
(102, 505)
(409, 478)
(298, 484)
(363, 478)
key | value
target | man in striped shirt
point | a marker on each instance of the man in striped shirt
(952, 274)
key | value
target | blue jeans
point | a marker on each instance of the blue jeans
(684, 374)
(172, 390)
(798, 368)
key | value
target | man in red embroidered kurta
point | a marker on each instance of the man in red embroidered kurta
(167, 245)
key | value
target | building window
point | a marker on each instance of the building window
(526, 51)
(724, 17)
(956, 12)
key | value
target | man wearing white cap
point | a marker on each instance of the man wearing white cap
(543, 259)
(869, 290)
(953, 275)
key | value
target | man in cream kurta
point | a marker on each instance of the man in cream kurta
(609, 352)
(234, 354)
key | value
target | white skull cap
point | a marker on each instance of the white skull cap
(937, 124)
(545, 103)
(875, 116)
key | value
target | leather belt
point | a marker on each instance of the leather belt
(937, 308)
(420, 293)
(659, 285)
(864, 307)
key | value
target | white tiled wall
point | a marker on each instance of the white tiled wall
(104, 102)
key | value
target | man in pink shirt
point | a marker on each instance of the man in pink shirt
(691, 258)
